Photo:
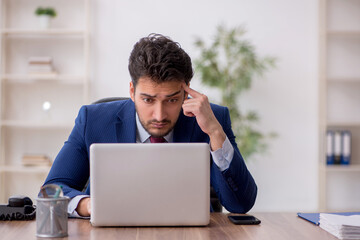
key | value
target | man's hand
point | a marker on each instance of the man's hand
(83, 208)
(198, 106)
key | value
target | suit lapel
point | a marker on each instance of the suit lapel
(126, 125)
(183, 129)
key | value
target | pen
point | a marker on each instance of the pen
(57, 193)
(42, 190)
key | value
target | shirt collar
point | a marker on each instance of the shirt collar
(143, 135)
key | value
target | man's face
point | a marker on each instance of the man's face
(157, 105)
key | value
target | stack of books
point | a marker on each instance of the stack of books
(342, 227)
(36, 160)
(40, 65)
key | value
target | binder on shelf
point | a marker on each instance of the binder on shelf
(337, 147)
(329, 147)
(346, 147)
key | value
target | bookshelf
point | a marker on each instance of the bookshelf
(25, 126)
(339, 100)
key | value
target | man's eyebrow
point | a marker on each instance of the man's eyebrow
(147, 95)
(153, 96)
(173, 94)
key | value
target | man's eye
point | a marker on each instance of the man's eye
(173, 100)
(147, 100)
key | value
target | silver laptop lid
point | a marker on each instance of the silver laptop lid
(150, 184)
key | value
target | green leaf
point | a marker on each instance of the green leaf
(45, 11)
(230, 63)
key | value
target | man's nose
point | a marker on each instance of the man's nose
(159, 112)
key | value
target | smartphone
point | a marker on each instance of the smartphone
(244, 219)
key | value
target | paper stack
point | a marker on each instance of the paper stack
(40, 65)
(342, 227)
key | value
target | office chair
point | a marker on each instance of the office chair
(110, 99)
(215, 202)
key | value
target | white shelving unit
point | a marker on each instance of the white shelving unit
(339, 101)
(24, 127)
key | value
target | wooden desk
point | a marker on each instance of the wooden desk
(275, 226)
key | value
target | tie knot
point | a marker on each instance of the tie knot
(157, 139)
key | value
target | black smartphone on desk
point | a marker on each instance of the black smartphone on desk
(244, 219)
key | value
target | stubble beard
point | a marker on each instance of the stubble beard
(147, 126)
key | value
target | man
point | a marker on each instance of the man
(160, 109)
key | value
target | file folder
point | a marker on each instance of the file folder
(330, 147)
(337, 147)
(346, 147)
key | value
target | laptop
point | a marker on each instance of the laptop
(157, 184)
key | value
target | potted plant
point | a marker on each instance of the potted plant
(44, 15)
(230, 63)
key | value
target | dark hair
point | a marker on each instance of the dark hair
(161, 59)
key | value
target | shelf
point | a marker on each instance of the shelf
(344, 33)
(25, 169)
(339, 85)
(343, 80)
(343, 124)
(36, 125)
(30, 78)
(343, 168)
(48, 32)
(25, 127)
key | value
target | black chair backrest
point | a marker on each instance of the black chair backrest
(110, 99)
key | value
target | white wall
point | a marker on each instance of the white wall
(286, 98)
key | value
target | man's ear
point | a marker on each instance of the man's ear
(132, 91)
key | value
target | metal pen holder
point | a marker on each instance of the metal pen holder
(52, 217)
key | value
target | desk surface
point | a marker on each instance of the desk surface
(273, 226)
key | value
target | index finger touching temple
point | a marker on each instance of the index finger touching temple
(190, 91)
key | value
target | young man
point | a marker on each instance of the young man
(160, 109)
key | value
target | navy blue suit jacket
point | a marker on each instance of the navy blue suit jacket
(115, 122)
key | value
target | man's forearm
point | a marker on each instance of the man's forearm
(217, 138)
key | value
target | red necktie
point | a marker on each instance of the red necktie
(157, 139)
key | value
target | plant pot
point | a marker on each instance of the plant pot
(44, 21)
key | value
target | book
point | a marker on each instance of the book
(40, 60)
(40, 65)
(36, 160)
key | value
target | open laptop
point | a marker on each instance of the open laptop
(157, 184)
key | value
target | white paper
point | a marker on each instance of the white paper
(343, 227)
